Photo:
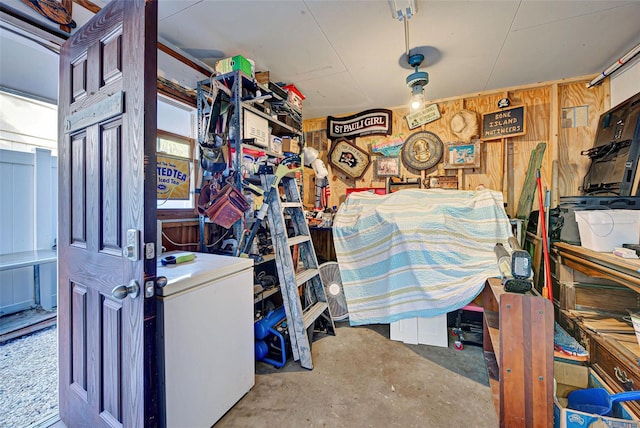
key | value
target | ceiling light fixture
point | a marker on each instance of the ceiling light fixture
(397, 12)
(418, 79)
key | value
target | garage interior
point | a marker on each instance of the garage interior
(308, 247)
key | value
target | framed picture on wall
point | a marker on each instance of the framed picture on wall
(462, 155)
(388, 166)
(349, 158)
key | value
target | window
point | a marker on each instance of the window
(175, 171)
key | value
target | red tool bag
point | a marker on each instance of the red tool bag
(223, 207)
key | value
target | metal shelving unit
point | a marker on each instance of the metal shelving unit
(243, 93)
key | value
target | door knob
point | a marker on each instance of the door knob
(121, 291)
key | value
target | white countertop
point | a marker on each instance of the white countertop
(204, 268)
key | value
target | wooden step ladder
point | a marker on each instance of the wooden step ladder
(303, 293)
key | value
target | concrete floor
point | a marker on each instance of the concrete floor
(363, 379)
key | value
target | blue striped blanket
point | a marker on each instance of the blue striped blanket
(416, 253)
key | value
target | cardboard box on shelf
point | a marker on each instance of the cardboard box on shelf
(290, 145)
(237, 62)
(570, 377)
(262, 77)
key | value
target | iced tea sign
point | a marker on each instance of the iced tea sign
(173, 178)
(503, 123)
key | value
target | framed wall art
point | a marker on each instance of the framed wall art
(462, 155)
(349, 158)
(388, 166)
(422, 150)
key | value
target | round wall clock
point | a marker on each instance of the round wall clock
(422, 150)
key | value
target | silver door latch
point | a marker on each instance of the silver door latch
(132, 248)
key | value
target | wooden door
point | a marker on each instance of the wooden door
(107, 210)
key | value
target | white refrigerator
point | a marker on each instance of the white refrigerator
(206, 316)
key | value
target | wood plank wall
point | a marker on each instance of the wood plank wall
(504, 161)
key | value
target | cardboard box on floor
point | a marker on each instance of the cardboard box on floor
(570, 377)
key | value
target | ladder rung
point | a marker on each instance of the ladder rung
(312, 314)
(306, 275)
(291, 205)
(297, 240)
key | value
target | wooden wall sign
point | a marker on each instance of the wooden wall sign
(426, 115)
(422, 150)
(504, 123)
(369, 122)
(349, 158)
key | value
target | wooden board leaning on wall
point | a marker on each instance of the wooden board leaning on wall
(504, 161)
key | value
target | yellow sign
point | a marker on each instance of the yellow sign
(173, 178)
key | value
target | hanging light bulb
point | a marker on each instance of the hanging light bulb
(417, 97)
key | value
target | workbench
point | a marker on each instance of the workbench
(29, 258)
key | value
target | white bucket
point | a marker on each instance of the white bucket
(604, 230)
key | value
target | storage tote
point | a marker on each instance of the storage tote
(604, 230)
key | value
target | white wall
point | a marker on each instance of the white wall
(28, 221)
(625, 82)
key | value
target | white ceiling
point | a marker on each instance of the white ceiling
(347, 56)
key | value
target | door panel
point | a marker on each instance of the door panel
(107, 112)
(112, 366)
(78, 194)
(79, 340)
(110, 167)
